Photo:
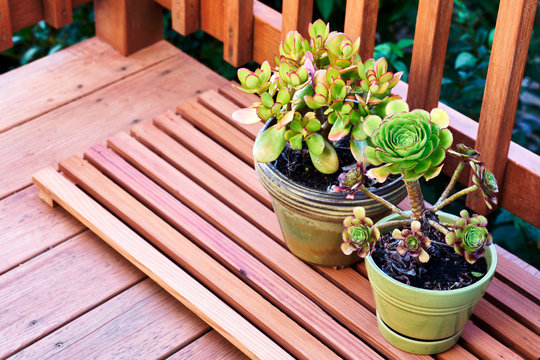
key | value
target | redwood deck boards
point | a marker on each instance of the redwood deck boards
(151, 162)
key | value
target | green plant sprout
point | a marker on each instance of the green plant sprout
(414, 144)
(319, 92)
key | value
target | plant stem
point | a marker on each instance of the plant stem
(416, 198)
(389, 205)
(466, 191)
(439, 227)
(452, 183)
(396, 224)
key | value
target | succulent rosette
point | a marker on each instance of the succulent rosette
(351, 180)
(342, 52)
(293, 47)
(359, 234)
(413, 242)
(412, 143)
(470, 236)
(486, 182)
(376, 79)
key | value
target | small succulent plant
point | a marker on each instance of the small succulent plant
(359, 234)
(414, 144)
(319, 92)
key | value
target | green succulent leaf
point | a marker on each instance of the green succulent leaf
(327, 162)
(315, 143)
(269, 145)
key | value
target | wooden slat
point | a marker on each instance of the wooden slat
(25, 13)
(93, 271)
(229, 287)
(186, 16)
(296, 15)
(239, 98)
(223, 107)
(228, 164)
(523, 166)
(58, 13)
(361, 21)
(517, 277)
(215, 127)
(50, 86)
(269, 284)
(128, 25)
(29, 227)
(429, 50)
(503, 83)
(209, 346)
(207, 177)
(85, 122)
(6, 34)
(481, 343)
(121, 328)
(238, 37)
(173, 279)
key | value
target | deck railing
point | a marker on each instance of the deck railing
(251, 30)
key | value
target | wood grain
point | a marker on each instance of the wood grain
(207, 270)
(513, 30)
(239, 98)
(186, 16)
(58, 13)
(6, 33)
(86, 67)
(25, 13)
(296, 15)
(210, 346)
(85, 122)
(162, 270)
(361, 22)
(211, 124)
(29, 227)
(122, 327)
(128, 25)
(227, 164)
(238, 32)
(223, 107)
(429, 50)
(218, 245)
(95, 272)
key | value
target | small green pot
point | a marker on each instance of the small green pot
(424, 321)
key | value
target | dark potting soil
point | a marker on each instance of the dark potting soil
(445, 269)
(297, 166)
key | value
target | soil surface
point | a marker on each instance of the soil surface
(297, 166)
(445, 269)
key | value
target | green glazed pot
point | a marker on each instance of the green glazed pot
(424, 321)
(312, 221)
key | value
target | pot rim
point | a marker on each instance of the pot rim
(487, 277)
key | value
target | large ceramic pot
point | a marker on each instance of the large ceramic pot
(312, 221)
(424, 321)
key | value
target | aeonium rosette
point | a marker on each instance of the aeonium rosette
(412, 143)
(470, 236)
(359, 234)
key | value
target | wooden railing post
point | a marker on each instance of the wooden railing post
(6, 40)
(238, 40)
(361, 21)
(58, 13)
(128, 25)
(296, 15)
(429, 50)
(186, 16)
(515, 20)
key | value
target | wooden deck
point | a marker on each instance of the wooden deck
(65, 293)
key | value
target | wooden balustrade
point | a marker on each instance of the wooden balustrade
(251, 30)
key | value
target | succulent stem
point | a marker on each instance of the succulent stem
(395, 224)
(452, 183)
(439, 227)
(466, 191)
(389, 205)
(416, 198)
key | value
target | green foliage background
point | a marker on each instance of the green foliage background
(467, 56)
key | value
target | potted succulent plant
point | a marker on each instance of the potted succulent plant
(314, 102)
(427, 269)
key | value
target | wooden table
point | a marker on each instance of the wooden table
(182, 181)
